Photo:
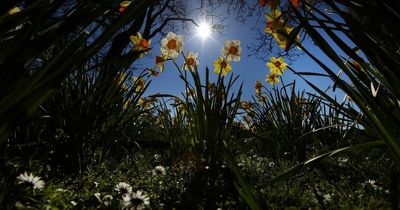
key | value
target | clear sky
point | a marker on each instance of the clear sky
(248, 68)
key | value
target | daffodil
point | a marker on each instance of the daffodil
(222, 66)
(14, 10)
(246, 105)
(257, 87)
(272, 79)
(146, 102)
(262, 3)
(123, 5)
(139, 84)
(281, 39)
(191, 61)
(273, 21)
(140, 43)
(277, 28)
(143, 102)
(153, 72)
(261, 98)
(172, 45)
(191, 93)
(121, 81)
(295, 3)
(277, 65)
(127, 103)
(231, 50)
(160, 62)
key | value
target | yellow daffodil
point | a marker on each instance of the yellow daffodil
(181, 108)
(177, 101)
(172, 45)
(272, 79)
(231, 50)
(276, 27)
(123, 5)
(277, 65)
(221, 66)
(14, 10)
(261, 98)
(127, 103)
(190, 92)
(246, 105)
(281, 39)
(146, 102)
(160, 62)
(257, 87)
(121, 81)
(191, 61)
(139, 83)
(273, 21)
(140, 43)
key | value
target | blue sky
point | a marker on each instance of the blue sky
(248, 68)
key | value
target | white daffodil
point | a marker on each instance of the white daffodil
(231, 50)
(191, 61)
(172, 45)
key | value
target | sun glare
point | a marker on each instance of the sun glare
(204, 30)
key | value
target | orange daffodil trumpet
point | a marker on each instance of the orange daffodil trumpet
(191, 61)
(140, 43)
(172, 45)
(222, 66)
(231, 50)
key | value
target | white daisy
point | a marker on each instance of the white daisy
(107, 199)
(123, 188)
(98, 196)
(159, 170)
(135, 201)
(34, 180)
(172, 45)
(231, 50)
(271, 164)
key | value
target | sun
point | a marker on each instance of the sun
(204, 30)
